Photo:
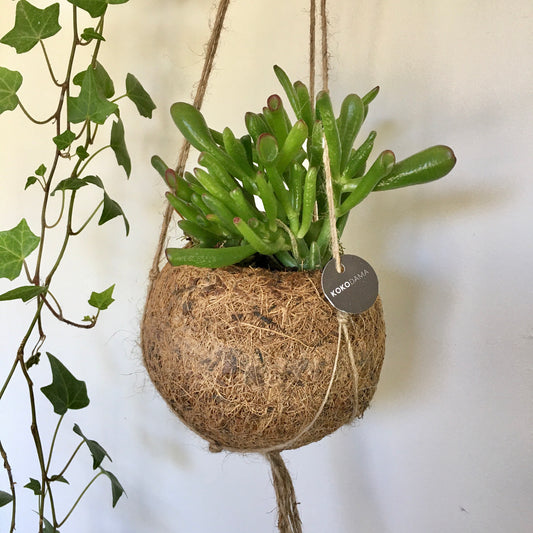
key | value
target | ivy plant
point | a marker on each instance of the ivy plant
(84, 121)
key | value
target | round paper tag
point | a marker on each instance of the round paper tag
(353, 290)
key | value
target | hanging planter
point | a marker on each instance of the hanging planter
(238, 336)
(244, 356)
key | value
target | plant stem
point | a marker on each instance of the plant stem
(11, 486)
(47, 469)
(48, 64)
(65, 468)
(79, 498)
(91, 216)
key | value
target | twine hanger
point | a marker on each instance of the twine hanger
(288, 516)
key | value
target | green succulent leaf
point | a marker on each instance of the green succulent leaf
(118, 145)
(15, 245)
(5, 498)
(138, 95)
(209, 257)
(10, 82)
(26, 293)
(116, 488)
(111, 210)
(95, 8)
(90, 104)
(65, 392)
(31, 25)
(98, 453)
(102, 300)
(64, 140)
(34, 486)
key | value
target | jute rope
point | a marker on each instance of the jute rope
(210, 54)
(288, 516)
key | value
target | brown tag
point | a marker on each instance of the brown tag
(353, 290)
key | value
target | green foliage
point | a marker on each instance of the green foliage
(77, 130)
(118, 145)
(31, 26)
(112, 210)
(98, 453)
(10, 82)
(116, 488)
(90, 105)
(264, 193)
(15, 245)
(34, 486)
(138, 95)
(5, 498)
(26, 293)
(95, 8)
(65, 392)
(102, 300)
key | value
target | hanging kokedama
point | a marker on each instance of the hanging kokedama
(258, 333)
(238, 336)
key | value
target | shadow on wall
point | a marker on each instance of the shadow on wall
(411, 298)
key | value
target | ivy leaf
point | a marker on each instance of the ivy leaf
(89, 105)
(82, 152)
(41, 170)
(65, 392)
(95, 8)
(104, 83)
(69, 184)
(64, 140)
(59, 478)
(30, 181)
(34, 485)
(137, 94)
(10, 82)
(116, 488)
(48, 527)
(31, 25)
(90, 33)
(5, 498)
(118, 144)
(111, 210)
(98, 453)
(102, 300)
(25, 293)
(34, 359)
(94, 180)
(15, 245)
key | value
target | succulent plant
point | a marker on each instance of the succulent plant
(263, 194)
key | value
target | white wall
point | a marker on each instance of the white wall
(446, 445)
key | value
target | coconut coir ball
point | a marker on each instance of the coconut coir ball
(244, 356)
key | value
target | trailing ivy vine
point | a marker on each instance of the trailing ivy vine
(86, 111)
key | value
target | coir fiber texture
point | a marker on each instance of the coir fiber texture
(244, 356)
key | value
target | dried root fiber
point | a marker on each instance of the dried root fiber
(245, 356)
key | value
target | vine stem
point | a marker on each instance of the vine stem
(53, 443)
(79, 498)
(11, 486)
(48, 64)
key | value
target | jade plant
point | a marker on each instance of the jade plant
(83, 121)
(263, 194)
